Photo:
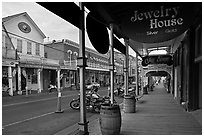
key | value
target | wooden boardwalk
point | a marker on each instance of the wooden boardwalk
(157, 113)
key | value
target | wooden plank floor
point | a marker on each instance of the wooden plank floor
(158, 114)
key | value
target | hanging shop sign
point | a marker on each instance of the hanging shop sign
(160, 59)
(157, 22)
(97, 33)
(157, 73)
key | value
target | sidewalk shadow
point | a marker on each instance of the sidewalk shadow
(141, 101)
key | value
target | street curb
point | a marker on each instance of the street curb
(74, 129)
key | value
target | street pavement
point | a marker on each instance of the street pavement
(35, 114)
(157, 113)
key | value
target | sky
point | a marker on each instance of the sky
(47, 21)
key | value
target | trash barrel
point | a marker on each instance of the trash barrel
(110, 119)
(129, 104)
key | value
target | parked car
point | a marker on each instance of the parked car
(89, 86)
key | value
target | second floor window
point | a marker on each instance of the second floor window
(37, 49)
(19, 45)
(29, 48)
(7, 43)
(69, 56)
(3, 43)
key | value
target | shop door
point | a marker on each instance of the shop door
(23, 82)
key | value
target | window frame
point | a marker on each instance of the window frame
(29, 48)
(19, 47)
(37, 49)
(7, 43)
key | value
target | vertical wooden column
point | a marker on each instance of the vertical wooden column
(19, 80)
(59, 110)
(142, 80)
(111, 63)
(39, 83)
(83, 124)
(58, 80)
(126, 66)
(136, 76)
(10, 80)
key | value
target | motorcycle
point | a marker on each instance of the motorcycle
(93, 101)
(120, 91)
(52, 88)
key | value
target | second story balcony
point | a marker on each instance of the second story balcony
(69, 64)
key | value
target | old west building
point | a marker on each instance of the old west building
(66, 52)
(187, 67)
(23, 54)
(97, 70)
(28, 63)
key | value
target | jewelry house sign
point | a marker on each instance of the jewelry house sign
(157, 22)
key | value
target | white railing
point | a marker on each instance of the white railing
(70, 64)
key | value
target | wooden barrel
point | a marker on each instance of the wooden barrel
(110, 119)
(129, 104)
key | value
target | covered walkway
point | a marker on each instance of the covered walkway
(157, 114)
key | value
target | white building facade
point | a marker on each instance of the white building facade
(22, 54)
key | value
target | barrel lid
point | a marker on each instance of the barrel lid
(129, 97)
(110, 106)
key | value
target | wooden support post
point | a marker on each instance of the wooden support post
(59, 110)
(83, 124)
(136, 76)
(126, 66)
(10, 77)
(39, 83)
(19, 80)
(111, 64)
(142, 80)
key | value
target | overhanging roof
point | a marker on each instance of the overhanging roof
(138, 14)
(71, 13)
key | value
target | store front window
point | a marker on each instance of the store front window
(32, 76)
(5, 83)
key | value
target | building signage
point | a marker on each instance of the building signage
(155, 15)
(8, 63)
(157, 22)
(31, 65)
(160, 59)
